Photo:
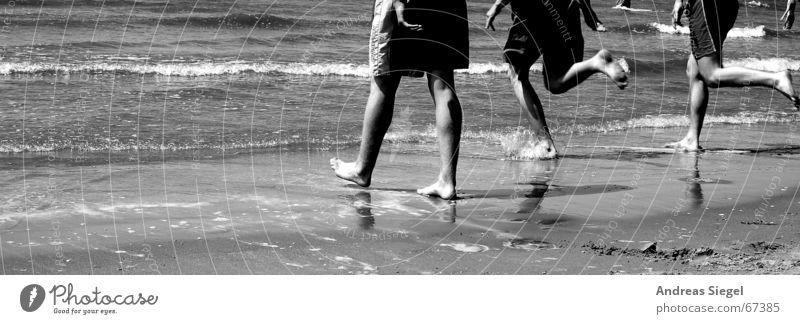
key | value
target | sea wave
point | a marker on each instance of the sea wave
(138, 66)
(501, 136)
(737, 32)
(768, 64)
(220, 68)
(209, 20)
(188, 69)
(646, 122)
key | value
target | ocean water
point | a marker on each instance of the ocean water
(142, 131)
(167, 77)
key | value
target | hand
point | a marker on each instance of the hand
(600, 28)
(677, 12)
(490, 15)
(788, 18)
(411, 27)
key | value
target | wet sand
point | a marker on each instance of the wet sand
(597, 210)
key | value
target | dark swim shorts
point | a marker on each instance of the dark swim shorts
(709, 23)
(550, 28)
(443, 42)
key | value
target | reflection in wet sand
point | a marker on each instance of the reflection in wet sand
(362, 203)
(693, 190)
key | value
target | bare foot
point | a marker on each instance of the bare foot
(784, 86)
(686, 145)
(348, 172)
(617, 71)
(439, 189)
(544, 149)
(601, 28)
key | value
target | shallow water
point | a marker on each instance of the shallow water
(210, 216)
(195, 135)
(148, 75)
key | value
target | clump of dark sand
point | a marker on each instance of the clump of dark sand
(649, 250)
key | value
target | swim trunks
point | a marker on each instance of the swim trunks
(443, 42)
(550, 28)
(709, 23)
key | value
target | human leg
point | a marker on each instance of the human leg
(518, 72)
(448, 132)
(698, 103)
(716, 76)
(377, 118)
(603, 62)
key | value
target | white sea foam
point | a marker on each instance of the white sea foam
(757, 4)
(514, 135)
(769, 64)
(312, 69)
(221, 68)
(189, 69)
(158, 205)
(736, 32)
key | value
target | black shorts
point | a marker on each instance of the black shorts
(443, 42)
(709, 24)
(550, 28)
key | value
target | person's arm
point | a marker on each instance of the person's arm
(399, 9)
(788, 15)
(590, 17)
(494, 11)
(677, 12)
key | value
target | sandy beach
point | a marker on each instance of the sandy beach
(597, 210)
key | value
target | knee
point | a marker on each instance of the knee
(385, 85)
(444, 96)
(516, 74)
(555, 86)
(711, 79)
(691, 72)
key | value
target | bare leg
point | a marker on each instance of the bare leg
(708, 72)
(518, 73)
(698, 103)
(733, 77)
(448, 132)
(377, 118)
(602, 62)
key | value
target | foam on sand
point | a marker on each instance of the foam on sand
(466, 247)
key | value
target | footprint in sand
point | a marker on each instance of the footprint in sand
(466, 247)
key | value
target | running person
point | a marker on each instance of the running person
(412, 38)
(709, 23)
(549, 28)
